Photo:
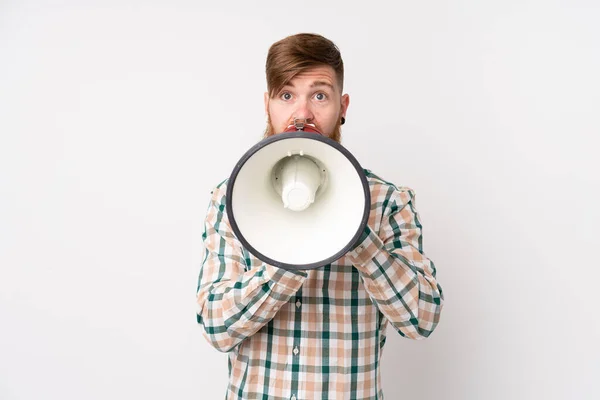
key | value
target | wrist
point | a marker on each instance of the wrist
(363, 236)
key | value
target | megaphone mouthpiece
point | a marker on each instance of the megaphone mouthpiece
(302, 125)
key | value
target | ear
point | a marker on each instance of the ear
(266, 99)
(344, 105)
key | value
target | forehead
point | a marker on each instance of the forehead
(323, 75)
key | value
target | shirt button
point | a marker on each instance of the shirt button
(298, 304)
(296, 351)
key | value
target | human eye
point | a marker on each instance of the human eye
(321, 96)
(285, 96)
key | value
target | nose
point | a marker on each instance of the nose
(303, 111)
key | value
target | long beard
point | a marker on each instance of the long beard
(335, 135)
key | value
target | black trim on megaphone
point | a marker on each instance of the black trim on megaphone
(302, 135)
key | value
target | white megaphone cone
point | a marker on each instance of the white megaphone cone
(298, 200)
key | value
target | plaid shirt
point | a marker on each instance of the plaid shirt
(319, 333)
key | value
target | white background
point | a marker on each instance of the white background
(118, 117)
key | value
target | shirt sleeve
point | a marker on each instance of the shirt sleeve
(236, 297)
(398, 276)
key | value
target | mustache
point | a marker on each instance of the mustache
(336, 134)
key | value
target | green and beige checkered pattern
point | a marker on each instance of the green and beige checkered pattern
(317, 334)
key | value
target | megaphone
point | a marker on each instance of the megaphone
(298, 200)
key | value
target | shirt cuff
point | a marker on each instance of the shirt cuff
(290, 279)
(369, 245)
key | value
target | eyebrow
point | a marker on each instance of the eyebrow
(321, 83)
(314, 84)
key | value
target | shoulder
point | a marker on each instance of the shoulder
(384, 191)
(218, 193)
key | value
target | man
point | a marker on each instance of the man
(317, 333)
